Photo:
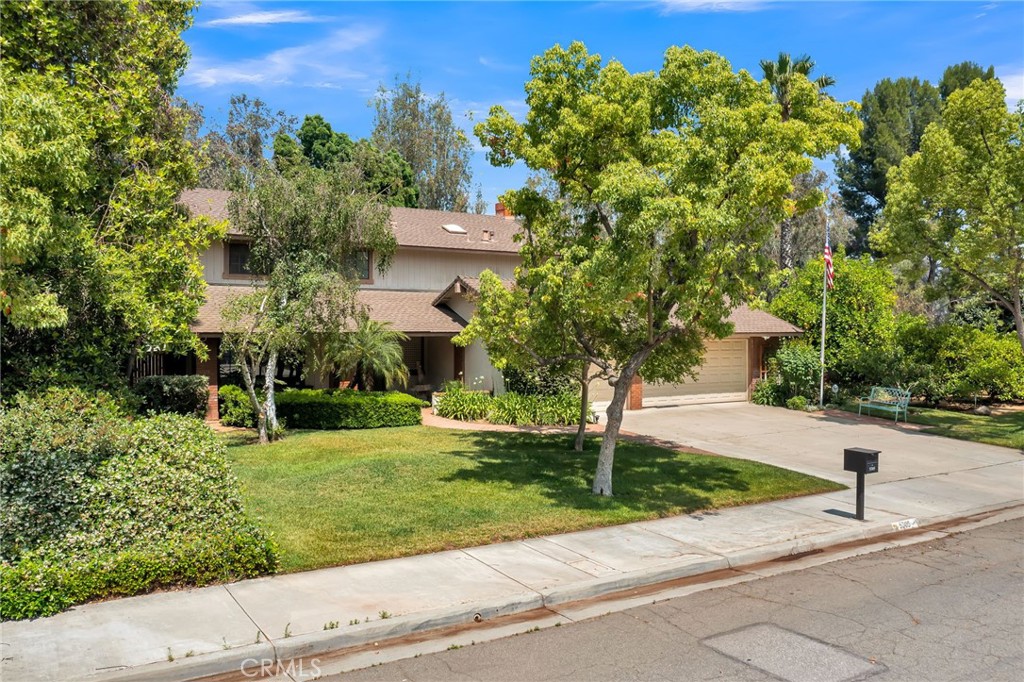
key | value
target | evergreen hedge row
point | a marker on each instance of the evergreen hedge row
(345, 409)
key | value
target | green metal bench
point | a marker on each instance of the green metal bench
(887, 399)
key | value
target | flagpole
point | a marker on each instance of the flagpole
(824, 302)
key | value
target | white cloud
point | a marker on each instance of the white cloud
(264, 18)
(320, 64)
(1014, 84)
(496, 65)
(674, 6)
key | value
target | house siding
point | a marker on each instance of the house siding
(429, 270)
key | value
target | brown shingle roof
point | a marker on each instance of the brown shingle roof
(746, 320)
(413, 227)
(411, 312)
(212, 203)
(752, 322)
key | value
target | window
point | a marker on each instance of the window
(238, 258)
(454, 229)
(357, 264)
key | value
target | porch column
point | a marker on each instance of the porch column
(210, 368)
(636, 394)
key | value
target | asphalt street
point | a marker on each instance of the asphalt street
(950, 609)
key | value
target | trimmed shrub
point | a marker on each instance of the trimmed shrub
(344, 409)
(50, 446)
(536, 410)
(235, 408)
(549, 381)
(185, 395)
(458, 403)
(797, 402)
(767, 392)
(161, 510)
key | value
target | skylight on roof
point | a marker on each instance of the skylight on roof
(454, 229)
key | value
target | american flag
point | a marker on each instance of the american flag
(830, 275)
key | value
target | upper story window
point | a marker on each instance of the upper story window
(358, 264)
(238, 258)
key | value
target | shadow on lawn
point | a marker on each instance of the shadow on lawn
(646, 478)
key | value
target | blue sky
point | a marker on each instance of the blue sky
(330, 57)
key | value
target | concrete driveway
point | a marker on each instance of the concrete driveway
(813, 442)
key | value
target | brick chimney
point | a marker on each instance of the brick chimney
(499, 209)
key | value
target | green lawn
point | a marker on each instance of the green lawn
(1004, 429)
(342, 497)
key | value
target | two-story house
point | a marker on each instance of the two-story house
(427, 294)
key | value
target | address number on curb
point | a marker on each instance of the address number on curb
(905, 524)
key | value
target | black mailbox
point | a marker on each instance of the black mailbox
(860, 460)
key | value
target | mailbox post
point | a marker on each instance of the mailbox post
(861, 461)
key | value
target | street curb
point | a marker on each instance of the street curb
(285, 650)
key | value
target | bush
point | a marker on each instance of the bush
(344, 409)
(798, 402)
(458, 403)
(548, 381)
(185, 395)
(767, 392)
(50, 446)
(235, 408)
(798, 368)
(536, 410)
(161, 510)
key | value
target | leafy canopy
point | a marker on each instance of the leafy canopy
(960, 199)
(99, 262)
(668, 184)
(420, 129)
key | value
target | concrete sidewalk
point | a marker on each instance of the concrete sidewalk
(215, 629)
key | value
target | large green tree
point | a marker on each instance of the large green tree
(961, 75)
(668, 184)
(305, 225)
(422, 131)
(780, 75)
(232, 154)
(960, 198)
(861, 310)
(384, 173)
(895, 114)
(99, 262)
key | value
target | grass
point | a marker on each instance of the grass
(342, 497)
(1005, 429)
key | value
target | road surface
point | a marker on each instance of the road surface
(950, 609)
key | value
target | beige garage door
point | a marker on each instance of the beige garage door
(722, 379)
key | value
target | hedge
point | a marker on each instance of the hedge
(157, 506)
(511, 408)
(346, 409)
(185, 395)
(235, 407)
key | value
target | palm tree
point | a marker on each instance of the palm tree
(779, 75)
(373, 348)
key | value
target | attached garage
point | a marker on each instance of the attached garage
(730, 366)
(721, 379)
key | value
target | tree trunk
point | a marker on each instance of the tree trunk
(1018, 321)
(603, 477)
(786, 244)
(269, 411)
(581, 432)
(254, 401)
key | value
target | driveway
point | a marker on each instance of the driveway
(813, 442)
